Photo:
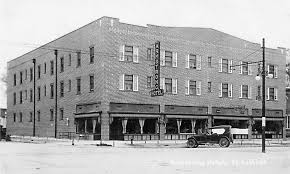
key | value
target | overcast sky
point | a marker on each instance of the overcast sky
(27, 23)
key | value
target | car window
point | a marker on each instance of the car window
(218, 131)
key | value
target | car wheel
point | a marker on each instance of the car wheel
(224, 142)
(191, 143)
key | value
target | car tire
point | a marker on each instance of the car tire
(191, 143)
(224, 142)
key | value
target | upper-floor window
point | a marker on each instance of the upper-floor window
(78, 59)
(92, 54)
(209, 87)
(44, 89)
(38, 115)
(31, 74)
(14, 117)
(245, 91)
(14, 79)
(20, 97)
(193, 87)
(31, 95)
(168, 58)
(273, 69)
(209, 59)
(61, 89)
(39, 71)
(25, 94)
(169, 85)
(14, 98)
(69, 85)
(69, 59)
(20, 117)
(61, 64)
(193, 61)
(51, 115)
(129, 53)
(226, 90)
(51, 67)
(226, 66)
(26, 74)
(92, 83)
(30, 116)
(149, 81)
(21, 77)
(51, 90)
(61, 114)
(38, 93)
(245, 68)
(150, 54)
(79, 85)
(128, 82)
(44, 72)
(272, 94)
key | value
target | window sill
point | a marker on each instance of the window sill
(91, 91)
(243, 98)
(191, 95)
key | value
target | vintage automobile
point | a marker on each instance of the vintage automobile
(215, 135)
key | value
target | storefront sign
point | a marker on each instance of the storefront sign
(156, 78)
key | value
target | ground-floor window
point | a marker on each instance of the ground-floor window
(288, 122)
(133, 126)
(241, 124)
(272, 128)
(88, 125)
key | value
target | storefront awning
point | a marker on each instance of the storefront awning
(187, 116)
(270, 119)
(230, 118)
(87, 115)
(135, 115)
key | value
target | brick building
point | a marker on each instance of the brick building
(104, 77)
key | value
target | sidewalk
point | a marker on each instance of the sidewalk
(144, 144)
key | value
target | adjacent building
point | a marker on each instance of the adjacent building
(96, 82)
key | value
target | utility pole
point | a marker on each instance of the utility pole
(55, 120)
(263, 101)
(34, 62)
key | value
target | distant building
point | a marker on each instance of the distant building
(105, 74)
(3, 114)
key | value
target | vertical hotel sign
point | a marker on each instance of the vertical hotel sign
(156, 91)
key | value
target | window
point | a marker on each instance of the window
(193, 87)
(51, 114)
(244, 68)
(78, 59)
(272, 69)
(192, 61)
(92, 83)
(209, 61)
(31, 93)
(168, 85)
(208, 87)
(61, 64)
(21, 77)
(38, 93)
(259, 93)
(30, 116)
(225, 65)
(14, 98)
(272, 94)
(79, 85)
(31, 74)
(128, 82)
(128, 53)
(14, 82)
(20, 97)
(288, 122)
(44, 89)
(25, 94)
(69, 85)
(226, 90)
(168, 58)
(61, 89)
(92, 54)
(26, 74)
(14, 117)
(51, 68)
(149, 81)
(20, 117)
(69, 60)
(38, 115)
(245, 91)
(44, 68)
(61, 113)
(51, 91)
(150, 54)
(39, 72)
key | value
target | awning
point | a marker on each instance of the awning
(87, 115)
(230, 118)
(187, 116)
(135, 115)
(269, 119)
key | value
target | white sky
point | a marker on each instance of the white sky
(32, 22)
